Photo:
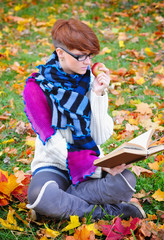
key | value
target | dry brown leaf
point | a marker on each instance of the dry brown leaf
(143, 108)
(120, 101)
(139, 170)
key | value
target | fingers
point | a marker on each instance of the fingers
(103, 79)
(115, 170)
(105, 70)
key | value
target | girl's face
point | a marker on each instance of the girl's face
(70, 64)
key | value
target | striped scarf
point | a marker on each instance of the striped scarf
(70, 108)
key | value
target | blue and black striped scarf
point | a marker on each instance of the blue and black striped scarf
(70, 105)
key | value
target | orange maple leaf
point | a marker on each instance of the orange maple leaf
(13, 185)
(82, 233)
(7, 186)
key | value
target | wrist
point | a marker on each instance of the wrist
(99, 93)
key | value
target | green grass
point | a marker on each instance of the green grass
(30, 48)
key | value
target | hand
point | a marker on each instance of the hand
(101, 82)
(116, 170)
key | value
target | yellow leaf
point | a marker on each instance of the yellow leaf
(51, 233)
(118, 127)
(19, 7)
(105, 50)
(133, 121)
(72, 224)
(140, 81)
(51, 22)
(21, 27)
(30, 141)
(154, 166)
(91, 227)
(158, 195)
(6, 187)
(10, 223)
(149, 52)
(121, 44)
(10, 217)
(8, 141)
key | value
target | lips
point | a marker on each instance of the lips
(84, 68)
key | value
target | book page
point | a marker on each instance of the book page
(143, 139)
(155, 149)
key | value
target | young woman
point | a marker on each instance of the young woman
(68, 107)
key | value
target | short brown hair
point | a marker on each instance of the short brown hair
(75, 34)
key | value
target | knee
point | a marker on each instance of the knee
(33, 192)
(130, 177)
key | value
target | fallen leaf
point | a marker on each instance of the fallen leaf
(143, 108)
(51, 233)
(91, 227)
(82, 233)
(149, 52)
(120, 228)
(30, 141)
(154, 166)
(121, 44)
(11, 222)
(158, 195)
(74, 223)
(139, 170)
(120, 101)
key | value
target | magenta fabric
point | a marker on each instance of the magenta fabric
(38, 110)
(80, 165)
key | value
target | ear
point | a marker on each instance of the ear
(60, 52)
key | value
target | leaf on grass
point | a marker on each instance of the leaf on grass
(30, 141)
(130, 127)
(16, 185)
(51, 233)
(25, 160)
(11, 222)
(120, 228)
(6, 187)
(21, 127)
(105, 50)
(140, 80)
(139, 170)
(158, 195)
(154, 166)
(151, 217)
(143, 108)
(120, 101)
(74, 223)
(121, 44)
(149, 52)
(158, 142)
(141, 194)
(91, 227)
(82, 233)
(8, 141)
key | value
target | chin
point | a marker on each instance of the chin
(83, 71)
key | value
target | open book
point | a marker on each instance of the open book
(135, 150)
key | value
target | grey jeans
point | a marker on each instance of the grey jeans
(51, 194)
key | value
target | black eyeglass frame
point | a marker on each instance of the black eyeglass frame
(77, 57)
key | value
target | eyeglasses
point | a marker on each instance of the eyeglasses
(79, 58)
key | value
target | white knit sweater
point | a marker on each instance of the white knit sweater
(54, 152)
